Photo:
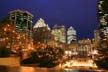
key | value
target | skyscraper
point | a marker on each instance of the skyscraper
(41, 32)
(103, 18)
(96, 37)
(22, 21)
(71, 35)
(59, 33)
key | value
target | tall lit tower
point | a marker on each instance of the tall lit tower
(103, 18)
(71, 35)
(59, 33)
(41, 32)
(22, 21)
(96, 37)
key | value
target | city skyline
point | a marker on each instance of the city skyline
(54, 35)
(82, 15)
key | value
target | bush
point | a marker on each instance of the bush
(102, 61)
(28, 61)
(46, 57)
(4, 52)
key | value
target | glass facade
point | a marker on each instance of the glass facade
(59, 33)
(71, 35)
(23, 21)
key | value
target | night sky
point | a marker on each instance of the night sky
(81, 14)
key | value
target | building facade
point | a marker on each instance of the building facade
(96, 37)
(84, 47)
(71, 35)
(59, 33)
(41, 32)
(22, 21)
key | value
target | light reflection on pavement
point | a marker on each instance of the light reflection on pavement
(37, 69)
(26, 69)
(77, 63)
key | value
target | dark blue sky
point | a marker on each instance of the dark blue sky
(81, 14)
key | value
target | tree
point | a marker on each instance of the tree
(6, 31)
(4, 52)
(102, 61)
(105, 5)
(49, 57)
(46, 57)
